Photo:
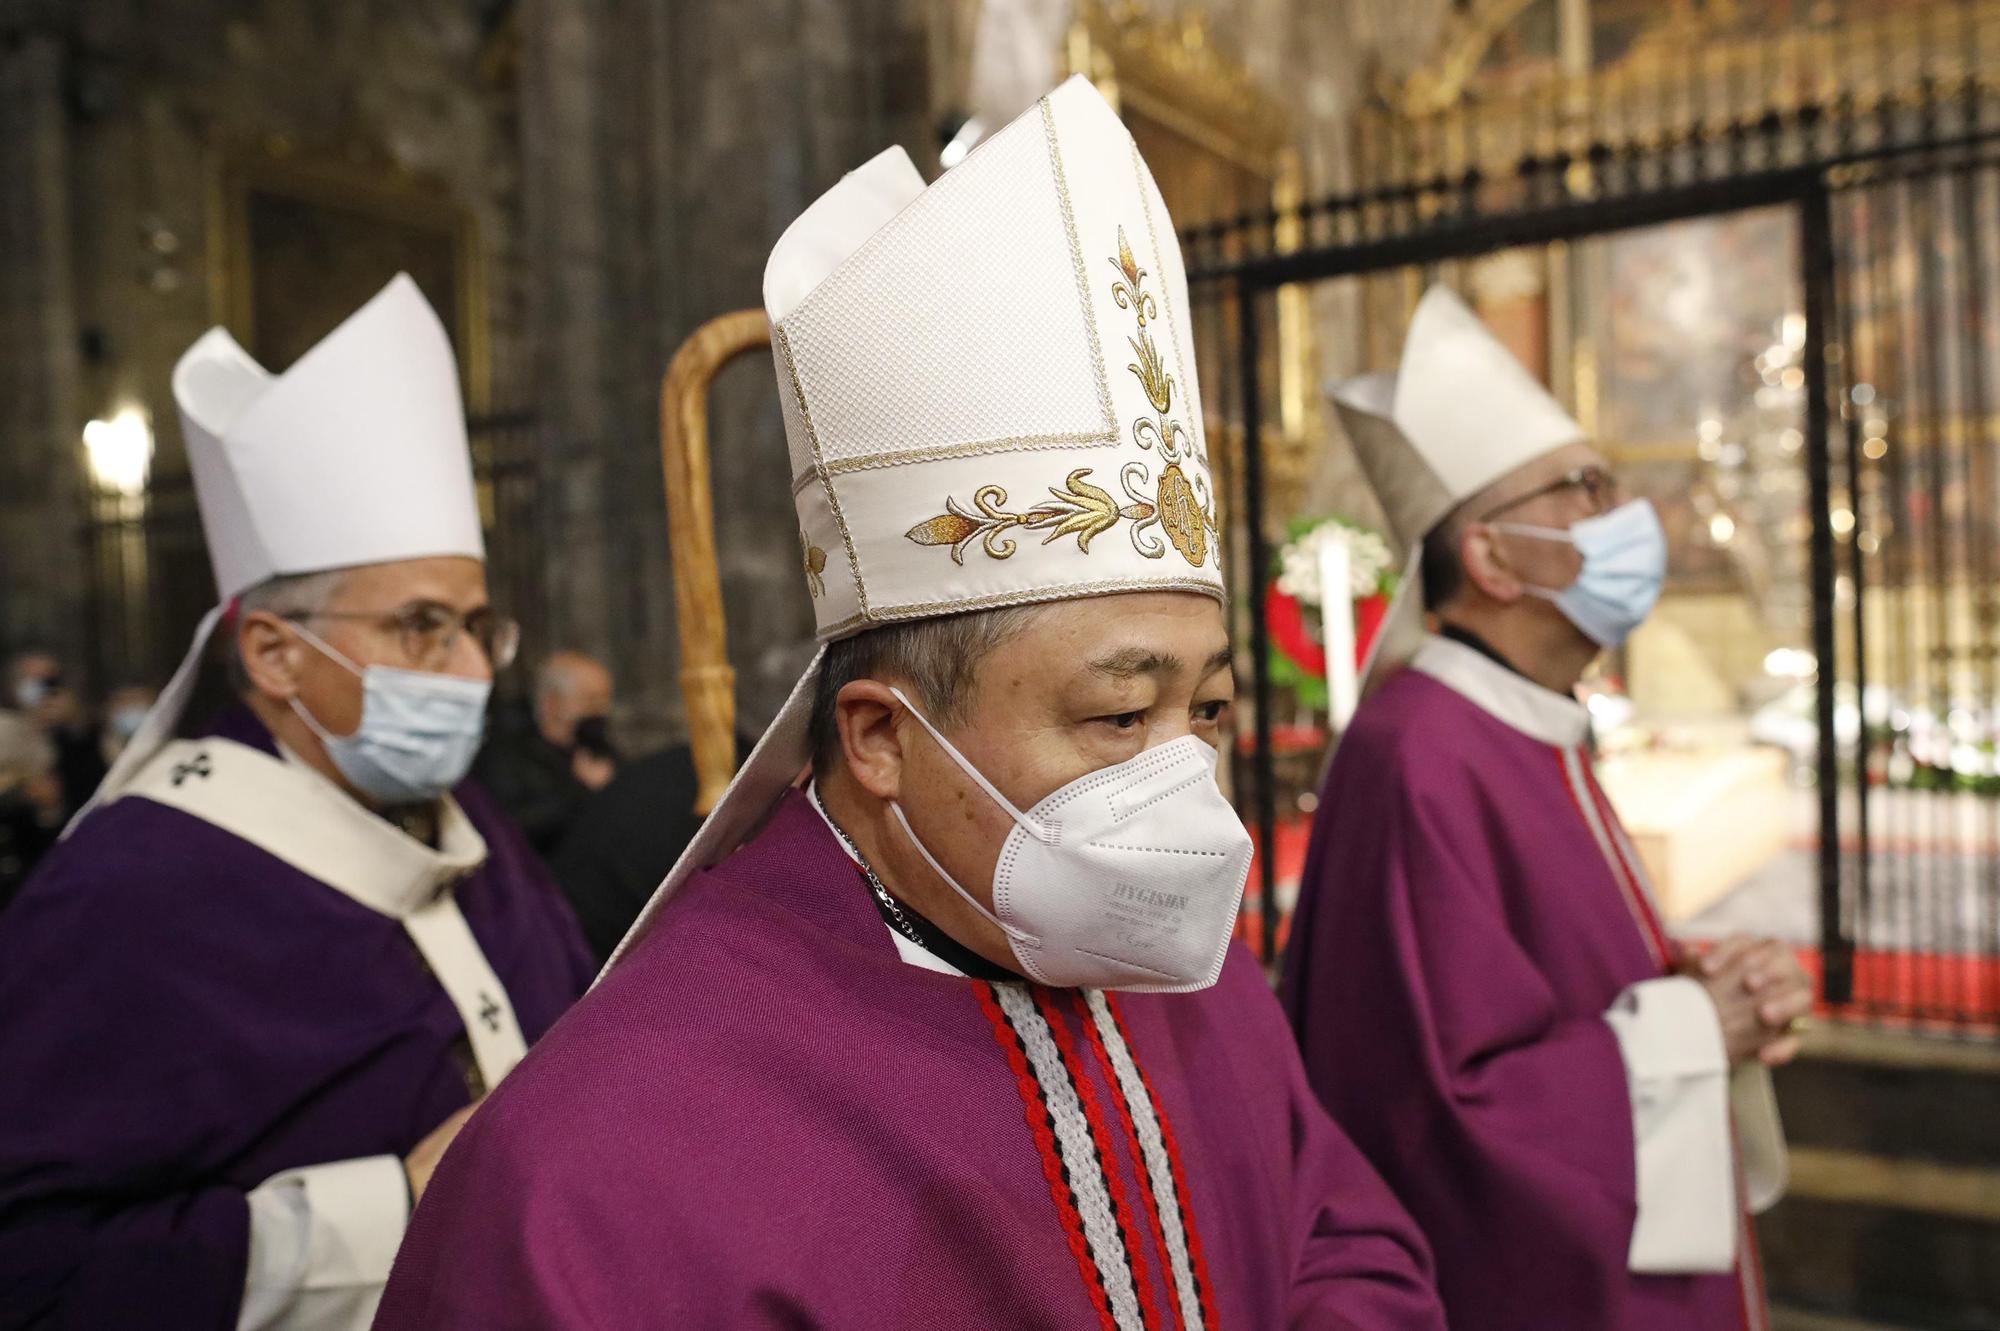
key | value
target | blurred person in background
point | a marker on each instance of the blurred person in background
(542, 767)
(30, 801)
(125, 710)
(41, 691)
(623, 840)
(249, 1000)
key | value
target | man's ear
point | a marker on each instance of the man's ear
(1485, 565)
(865, 716)
(272, 655)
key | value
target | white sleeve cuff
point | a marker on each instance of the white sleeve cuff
(322, 1239)
(1678, 1069)
(1766, 1164)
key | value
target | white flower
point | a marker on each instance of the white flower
(1368, 558)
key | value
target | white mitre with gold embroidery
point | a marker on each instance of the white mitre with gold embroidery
(1459, 413)
(989, 385)
(355, 455)
(990, 399)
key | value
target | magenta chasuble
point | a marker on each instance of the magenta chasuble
(1470, 909)
(763, 1117)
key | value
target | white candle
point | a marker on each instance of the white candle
(1336, 617)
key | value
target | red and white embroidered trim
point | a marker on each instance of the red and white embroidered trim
(1041, 1126)
(1078, 1134)
(1165, 1176)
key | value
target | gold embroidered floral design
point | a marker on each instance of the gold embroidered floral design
(815, 561)
(1182, 517)
(1178, 503)
(1080, 509)
(1129, 294)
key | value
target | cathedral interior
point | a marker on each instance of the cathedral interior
(1753, 248)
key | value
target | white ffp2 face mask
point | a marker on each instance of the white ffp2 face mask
(1127, 878)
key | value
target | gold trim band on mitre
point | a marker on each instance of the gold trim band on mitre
(1068, 591)
(781, 342)
(1076, 591)
(976, 448)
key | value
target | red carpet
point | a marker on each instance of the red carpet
(1919, 990)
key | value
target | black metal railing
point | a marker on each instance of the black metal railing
(1883, 139)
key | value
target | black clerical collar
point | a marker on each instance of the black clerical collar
(906, 922)
(419, 822)
(1465, 637)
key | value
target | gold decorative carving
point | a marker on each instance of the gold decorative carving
(1173, 72)
(1219, 145)
(1700, 71)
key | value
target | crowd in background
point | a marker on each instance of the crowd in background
(609, 825)
(54, 749)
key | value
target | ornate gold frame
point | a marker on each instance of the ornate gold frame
(358, 183)
(1666, 84)
(1172, 72)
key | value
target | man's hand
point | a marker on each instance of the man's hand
(422, 1162)
(1759, 990)
(593, 771)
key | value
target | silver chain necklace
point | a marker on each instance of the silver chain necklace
(889, 903)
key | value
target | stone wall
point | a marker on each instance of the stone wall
(628, 164)
(664, 148)
(116, 122)
(41, 593)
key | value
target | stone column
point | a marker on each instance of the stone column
(664, 148)
(40, 425)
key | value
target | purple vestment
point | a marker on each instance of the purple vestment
(763, 1117)
(1468, 913)
(184, 1015)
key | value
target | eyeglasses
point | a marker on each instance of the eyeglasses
(427, 631)
(1598, 486)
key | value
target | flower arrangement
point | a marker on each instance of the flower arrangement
(1298, 647)
(1371, 567)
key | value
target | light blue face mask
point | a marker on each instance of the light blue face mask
(125, 722)
(1624, 566)
(418, 735)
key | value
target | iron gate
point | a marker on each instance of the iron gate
(1892, 179)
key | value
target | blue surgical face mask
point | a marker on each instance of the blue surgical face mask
(418, 735)
(1624, 566)
(125, 721)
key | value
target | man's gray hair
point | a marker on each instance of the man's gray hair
(288, 596)
(938, 657)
